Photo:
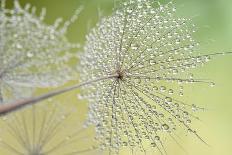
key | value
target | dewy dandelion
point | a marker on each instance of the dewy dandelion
(32, 54)
(151, 51)
(134, 67)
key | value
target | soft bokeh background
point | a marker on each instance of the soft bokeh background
(214, 21)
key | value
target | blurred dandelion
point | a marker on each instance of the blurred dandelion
(151, 53)
(33, 54)
(44, 130)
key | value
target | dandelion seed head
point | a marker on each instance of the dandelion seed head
(150, 51)
(45, 130)
(33, 54)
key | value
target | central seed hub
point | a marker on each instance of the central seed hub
(120, 74)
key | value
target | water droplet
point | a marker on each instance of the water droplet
(157, 138)
(188, 121)
(170, 91)
(181, 94)
(153, 144)
(162, 88)
(212, 84)
(165, 127)
(168, 99)
(124, 143)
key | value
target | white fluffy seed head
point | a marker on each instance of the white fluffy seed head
(33, 54)
(48, 129)
(150, 50)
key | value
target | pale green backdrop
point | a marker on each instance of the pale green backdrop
(214, 21)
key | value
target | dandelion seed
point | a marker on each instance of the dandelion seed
(32, 54)
(44, 130)
(151, 52)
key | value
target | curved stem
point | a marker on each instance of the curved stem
(10, 107)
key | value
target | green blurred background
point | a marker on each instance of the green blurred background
(214, 22)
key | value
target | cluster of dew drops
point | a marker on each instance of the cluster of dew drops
(33, 54)
(153, 53)
(143, 42)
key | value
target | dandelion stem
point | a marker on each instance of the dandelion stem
(7, 108)
(1, 98)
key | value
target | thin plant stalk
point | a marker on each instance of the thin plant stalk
(16, 105)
